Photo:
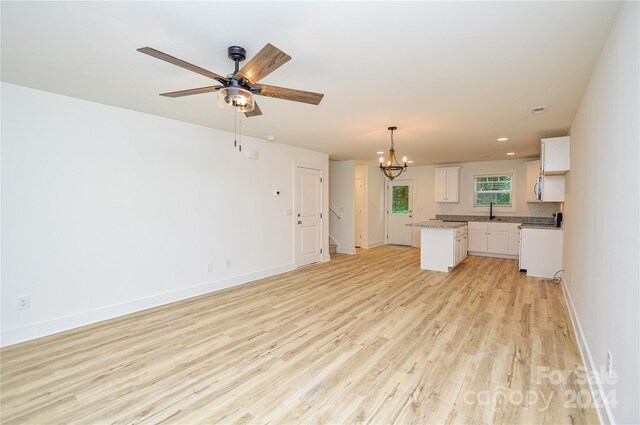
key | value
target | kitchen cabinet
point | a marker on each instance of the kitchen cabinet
(514, 239)
(555, 155)
(477, 238)
(541, 251)
(460, 245)
(493, 238)
(442, 248)
(448, 184)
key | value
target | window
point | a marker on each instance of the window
(400, 200)
(496, 189)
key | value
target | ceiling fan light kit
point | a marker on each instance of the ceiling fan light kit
(392, 168)
(237, 98)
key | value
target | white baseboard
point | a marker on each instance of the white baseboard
(49, 327)
(486, 254)
(374, 244)
(349, 251)
(605, 415)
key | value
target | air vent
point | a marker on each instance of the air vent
(539, 110)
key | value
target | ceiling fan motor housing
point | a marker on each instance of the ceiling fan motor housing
(237, 53)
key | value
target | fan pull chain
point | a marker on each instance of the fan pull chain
(235, 132)
(240, 125)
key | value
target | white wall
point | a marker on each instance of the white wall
(362, 173)
(106, 211)
(375, 206)
(342, 176)
(601, 248)
(425, 206)
(374, 180)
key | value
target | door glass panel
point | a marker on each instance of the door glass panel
(400, 200)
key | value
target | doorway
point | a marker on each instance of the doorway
(308, 215)
(400, 212)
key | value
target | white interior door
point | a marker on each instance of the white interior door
(400, 212)
(359, 208)
(308, 208)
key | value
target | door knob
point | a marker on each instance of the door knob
(299, 222)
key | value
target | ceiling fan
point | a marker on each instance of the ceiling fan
(237, 89)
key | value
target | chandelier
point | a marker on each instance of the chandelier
(392, 168)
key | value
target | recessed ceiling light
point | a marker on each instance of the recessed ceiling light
(409, 162)
(503, 139)
(511, 153)
(271, 138)
(380, 152)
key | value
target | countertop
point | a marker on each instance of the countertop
(438, 224)
(498, 219)
(539, 226)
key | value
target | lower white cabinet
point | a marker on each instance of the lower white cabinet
(460, 248)
(541, 251)
(514, 239)
(442, 248)
(493, 238)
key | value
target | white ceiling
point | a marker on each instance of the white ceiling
(453, 76)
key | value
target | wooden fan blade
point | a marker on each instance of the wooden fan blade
(289, 94)
(256, 111)
(262, 64)
(189, 92)
(179, 62)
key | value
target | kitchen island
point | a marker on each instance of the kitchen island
(443, 244)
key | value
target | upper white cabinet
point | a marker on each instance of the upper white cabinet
(555, 155)
(448, 184)
(545, 178)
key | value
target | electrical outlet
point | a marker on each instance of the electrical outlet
(609, 365)
(210, 268)
(24, 303)
(227, 264)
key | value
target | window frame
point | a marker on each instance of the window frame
(512, 192)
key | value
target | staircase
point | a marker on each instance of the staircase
(332, 248)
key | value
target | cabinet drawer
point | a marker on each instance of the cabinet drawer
(461, 231)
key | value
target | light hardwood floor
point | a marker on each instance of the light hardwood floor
(368, 338)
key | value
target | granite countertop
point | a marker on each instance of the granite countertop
(498, 219)
(439, 224)
(539, 226)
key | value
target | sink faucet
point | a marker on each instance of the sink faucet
(491, 216)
